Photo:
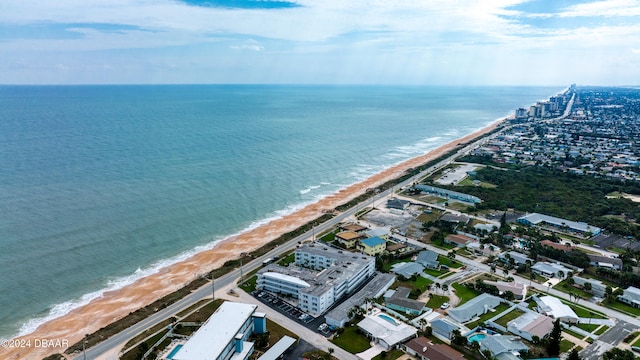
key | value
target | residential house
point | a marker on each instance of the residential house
(348, 239)
(518, 258)
(475, 307)
(557, 246)
(400, 301)
(552, 270)
(397, 204)
(604, 261)
(483, 249)
(631, 296)
(407, 269)
(428, 259)
(530, 324)
(518, 289)
(598, 288)
(423, 349)
(458, 240)
(372, 246)
(556, 309)
(385, 330)
(499, 344)
(443, 329)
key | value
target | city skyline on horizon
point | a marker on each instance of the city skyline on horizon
(506, 42)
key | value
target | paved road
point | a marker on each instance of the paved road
(608, 340)
(118, 340)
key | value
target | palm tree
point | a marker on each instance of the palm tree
(438, 285)
(548, 286)
(445, 288)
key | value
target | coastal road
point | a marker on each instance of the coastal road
(118, 340)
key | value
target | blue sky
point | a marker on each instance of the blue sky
(412, 42)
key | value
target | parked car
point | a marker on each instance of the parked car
(445, 306)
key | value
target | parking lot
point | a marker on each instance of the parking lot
(283, 307)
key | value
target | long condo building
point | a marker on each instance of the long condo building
(319, 276)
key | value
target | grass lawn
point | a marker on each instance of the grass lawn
(637, 343)
(499, 309)
(386, 267)
(443, 246)
(446, 261)
(585, 312)
(631, 336)
(579, 336)
(317, 354)
(622, 307)
(277, 332)
(602, 330)
(566, 288)
(390, 355)
(329, 237)
(464, 293)
(436, 300)
(287, 259)
(351, 341)
(565, 345)
(508, 317)
(434, 273)
(468, 182)
(249, 285)
(588, 327)
(205, 312)
(420, 283)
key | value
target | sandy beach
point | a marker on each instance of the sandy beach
(114, 305)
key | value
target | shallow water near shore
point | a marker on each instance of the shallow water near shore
(101, 185)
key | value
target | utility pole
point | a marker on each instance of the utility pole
(213, 287)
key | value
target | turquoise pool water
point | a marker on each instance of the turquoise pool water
(477, 337)
(388, 318)
(174, 351)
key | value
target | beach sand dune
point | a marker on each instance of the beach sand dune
(117, 304)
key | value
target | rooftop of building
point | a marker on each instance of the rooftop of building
(373, 241)
(211, 339)
(379, 283)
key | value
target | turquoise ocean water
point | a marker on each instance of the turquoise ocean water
(101, 185)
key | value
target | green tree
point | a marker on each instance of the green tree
(553, 347)
(618, 354)
(573, 355)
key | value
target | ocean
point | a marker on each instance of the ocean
(101, 185)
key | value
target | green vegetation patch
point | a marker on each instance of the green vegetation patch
(588, 327)
(631, 336)
(484, 317)
(514, 314)
(622, 307)
(389, 355)
(420, 284)
(249, 285)
(351, 340)
(287, 259)
(601, 330)
(565, 345)
(277, 332)
(573, 333)
(447, 261)
(464, 293)
(436, 300)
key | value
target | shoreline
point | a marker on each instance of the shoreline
(113, 305)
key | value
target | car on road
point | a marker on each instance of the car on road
(445, 306)
(636, 349)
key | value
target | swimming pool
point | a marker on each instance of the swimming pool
(388, 318)
(174, 351)
(477, 337)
